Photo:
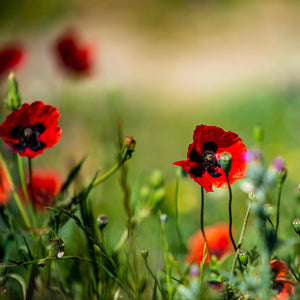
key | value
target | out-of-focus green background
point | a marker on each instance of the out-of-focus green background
(162, 68)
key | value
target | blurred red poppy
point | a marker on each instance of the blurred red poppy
(10, 57)
(203, 157)
(31, 129)
(46, 185)
(73, 56)
(284, 287)
(218, 241)
(4, 188)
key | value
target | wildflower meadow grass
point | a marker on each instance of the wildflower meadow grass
(116, 198)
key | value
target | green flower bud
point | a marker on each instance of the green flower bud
(159, 195)
(3, 268)
(268, 210)
(128, 147)
(145, 191)
(156, 179)
(243, 257)
(13, 99)
(258, 134)
(2, 280)
(144, 252)
(102, 221)
(252, 196)
(225, 162)
(296, 225)
(282, 175)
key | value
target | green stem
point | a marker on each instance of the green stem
(166, 260)
(30, 183)
(230, 214)
(246, 218)
(24, 187)
(201, 221)
(182, 244)
(109, 173)
(16, 196)
(278, 208)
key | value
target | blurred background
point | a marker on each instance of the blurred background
(161, 68)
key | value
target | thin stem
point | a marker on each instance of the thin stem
(246, 218)
(24, 187)
(30, 183)
(230, 214)
(182, 244)
(201, 221)
(109, 173)
(16, 196)
(278, 208)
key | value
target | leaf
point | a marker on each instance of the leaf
(21, 281)
(73, 173)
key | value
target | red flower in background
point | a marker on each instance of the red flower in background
(203, 157)
(218, 241)
(284, 287)
(73, 56)
(4, 188)
(31, 129)
(46, 186)
(10, 57)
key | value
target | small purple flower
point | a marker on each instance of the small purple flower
(278, 164)
(254, 155)
(194, 271)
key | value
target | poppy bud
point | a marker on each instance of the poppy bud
(258, 134)
(102, 221)
(225, 161)
(252, 196)
(163, 218)
(144, 252)
(243, 257)
(128, 147)
(158, 195)
(3, 268)
(268, 210)
(156, 179)
(2, 280)
(13, 99)
(282, 175)
(296, 224)
(145, 191)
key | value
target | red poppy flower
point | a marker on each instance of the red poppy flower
(218, 241)
(46, 185)
(203, 157)
(31, 129)
(73, 56)
(4, 188)
(284, 287)
(10, 57)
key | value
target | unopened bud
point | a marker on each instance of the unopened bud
(144, 252)
(282, 175)
(243, 257)
(251, 196)
(225, 162)
(128, 147)
(163, 218)
(258, 134)
(102, 221)
(296, 225)
(159, 195)
(3, 268)
(156, 179)
(58, 248)
(13, 99)
(268, 210)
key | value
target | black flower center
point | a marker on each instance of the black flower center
(277, 286)
(28, 137)
(207, 160)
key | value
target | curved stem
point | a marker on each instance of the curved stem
(201, 221)
(24, 187)
(278, 208)
(230, 215)
(16, 196)
(241, 237)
